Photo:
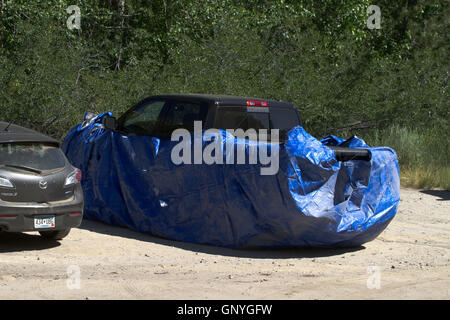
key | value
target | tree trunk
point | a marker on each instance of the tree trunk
(122, 21)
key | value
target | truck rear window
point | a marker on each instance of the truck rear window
(238, 117)
(31, 155)
(283, 119)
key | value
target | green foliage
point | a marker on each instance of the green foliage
(344, 78)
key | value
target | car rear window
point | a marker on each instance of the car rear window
(31, 155)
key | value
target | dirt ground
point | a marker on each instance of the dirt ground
(409, 260)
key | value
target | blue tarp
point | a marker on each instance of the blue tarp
(313, 200)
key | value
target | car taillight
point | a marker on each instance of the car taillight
(73, 178)
(78, 175)
(252, 103)
(5, 183)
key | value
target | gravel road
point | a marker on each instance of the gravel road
(409, 260)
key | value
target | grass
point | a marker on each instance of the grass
(423, 154)
(426, 178)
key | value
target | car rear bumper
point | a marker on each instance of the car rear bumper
(19, 217)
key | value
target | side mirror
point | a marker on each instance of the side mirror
(110, 123)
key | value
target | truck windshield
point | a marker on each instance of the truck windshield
(31, 156)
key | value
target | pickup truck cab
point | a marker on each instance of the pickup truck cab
(160, 115)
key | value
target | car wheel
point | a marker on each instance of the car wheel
(55, 235)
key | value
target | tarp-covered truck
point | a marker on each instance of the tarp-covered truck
(332, 192)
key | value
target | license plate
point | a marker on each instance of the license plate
(44, 222)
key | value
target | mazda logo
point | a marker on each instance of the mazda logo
(43, 184)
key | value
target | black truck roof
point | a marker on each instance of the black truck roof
(13, 133)
(224, 100)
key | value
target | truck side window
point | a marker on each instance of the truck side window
(143, 118)
(160, 118)
(183, 114)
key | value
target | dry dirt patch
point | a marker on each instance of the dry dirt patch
(409, 260)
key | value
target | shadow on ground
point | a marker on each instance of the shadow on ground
(284, 253)
(14, 242)
(444, 195)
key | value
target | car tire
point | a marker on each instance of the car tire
(55, 235)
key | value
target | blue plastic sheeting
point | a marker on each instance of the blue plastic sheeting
(313, 200)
